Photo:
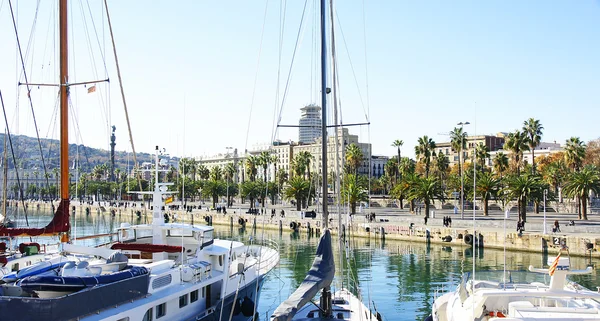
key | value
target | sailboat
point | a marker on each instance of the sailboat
(151, 271)
(342, 304)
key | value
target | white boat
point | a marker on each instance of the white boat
(522, 295)
(158, 271)
(342, 304)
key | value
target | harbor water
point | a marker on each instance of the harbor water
(399, 279)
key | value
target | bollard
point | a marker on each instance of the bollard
(210, 220)
(382, 233)
(254, 222)
(280, 226)
(343, 232)
(231, 221)
(308, 228)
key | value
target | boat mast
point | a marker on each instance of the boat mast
(324, 116)
(64, 105)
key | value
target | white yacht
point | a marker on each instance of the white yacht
(524, 295)
(159, 271)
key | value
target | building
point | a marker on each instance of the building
(542, 150)
(378, 165)
(310, 124)
(493, 143)
(221, 160)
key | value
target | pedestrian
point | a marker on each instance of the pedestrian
(449, 221)
(425, 219)
(556, 228)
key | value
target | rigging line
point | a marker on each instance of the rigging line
(352, 67)
(102, 54)
(112, 38)
(282, 16)
(366, 60)
(12, 151)
(33, 28)
(262, 34)
(28, 88)
(287, 84)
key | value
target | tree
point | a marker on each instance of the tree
(216, 173)
(214, 188)
(487, 187)
(500, 163)
(251, 167)
(458, 142)
(574, 153)
(441, 165)
(424, 150)
(354, 157)
(264, 160)
(202, 171)
(522, 187)
(250, 190)
(481, 154)
(580, 183)
(532, 128)
(391, 170)
(354, 191)
(298, 189)
(426, 189)
(301, 164)
(592, 153)
(516, 142)
(398, 143)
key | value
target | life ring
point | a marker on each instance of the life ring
(447, 238)
(468, 239)
(293, 225)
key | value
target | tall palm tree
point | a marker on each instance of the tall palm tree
(500, 163)
(516, 142)
(580, 183)
(398, 144)
(354, 190)
(354, 157)
(424, 150)
(441, 165)
(391, 170)
(533, 130)
(202, 171)
(458, 141)
(487, 187)
(482, 153)
(574, 153)
(298, 189)
(302, 162)
(251, 167)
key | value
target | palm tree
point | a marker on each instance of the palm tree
(554, 174)
(579, 184)
(482, 153)
(424, 150)
(574, 152)
(216, 173)
(301, 163)
(282, 178)
(500, 163)
(533, 130)
(298, 189)
(487, 187)
(354, 157)
(202, 171)
(426, 189)
(459, 143)
(441, 165)
(391, 170)
(354, 190)
(264, 159)
(251, 167)
(398, 143)
(522, 187)
(516, 142)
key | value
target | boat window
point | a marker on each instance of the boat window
(124, 319)
(15, 267)
(220, 260)
(148, 315)
(161, 310)
(194, 296)
(183, 301)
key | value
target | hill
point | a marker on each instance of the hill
(27, 152)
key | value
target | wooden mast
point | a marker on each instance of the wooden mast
(64, 105)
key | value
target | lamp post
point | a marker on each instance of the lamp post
(545, 193)
(227, 181)
(462, 176)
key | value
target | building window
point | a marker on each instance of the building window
(161, 310)
(203, 292)
(183, 301)
(194, 296)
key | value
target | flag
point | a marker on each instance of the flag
(552, 268)
(169, 200)
(92, 89)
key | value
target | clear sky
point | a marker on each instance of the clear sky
(189, 67)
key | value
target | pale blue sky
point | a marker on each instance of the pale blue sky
(431, 64)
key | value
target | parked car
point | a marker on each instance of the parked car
(311, 214)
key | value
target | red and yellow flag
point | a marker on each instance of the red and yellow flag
(169, 200)
(552, 268)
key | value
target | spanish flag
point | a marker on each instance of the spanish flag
(552, 268)
(92, 89)
(169, 200)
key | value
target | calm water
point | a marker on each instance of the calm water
(401, 278)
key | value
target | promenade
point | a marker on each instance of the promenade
(495, 230)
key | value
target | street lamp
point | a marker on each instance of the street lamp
(462, 178)
(227, 181)
(545, 193)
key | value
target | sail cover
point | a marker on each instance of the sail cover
(319, 276)
(59, 224)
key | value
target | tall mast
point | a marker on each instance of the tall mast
(64, 103)
(324, 114)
